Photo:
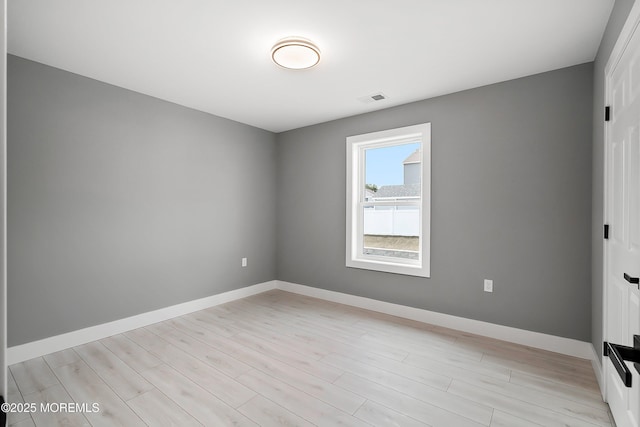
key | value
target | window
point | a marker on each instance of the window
(388, 200)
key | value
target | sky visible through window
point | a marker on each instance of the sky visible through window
(383, 166)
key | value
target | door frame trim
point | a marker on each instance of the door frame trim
(628, 29)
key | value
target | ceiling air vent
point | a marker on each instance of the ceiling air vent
(373, 98)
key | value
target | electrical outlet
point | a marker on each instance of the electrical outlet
(244, 262)
(488, 285)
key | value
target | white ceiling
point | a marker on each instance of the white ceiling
(214, 55)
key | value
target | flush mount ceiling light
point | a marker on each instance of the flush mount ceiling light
(295, 53)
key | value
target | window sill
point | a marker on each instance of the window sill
(388, 267)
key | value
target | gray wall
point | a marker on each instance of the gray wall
(617, 19)
(511, 193)
(120, 203)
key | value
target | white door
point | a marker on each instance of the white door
(623, 216)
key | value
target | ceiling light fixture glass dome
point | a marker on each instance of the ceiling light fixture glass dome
(295, 53)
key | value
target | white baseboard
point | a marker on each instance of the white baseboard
(596, 363)
(567, 346)
(562, 345)
(39, 348)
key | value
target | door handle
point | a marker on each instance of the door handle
(632, 280)
(619, 353)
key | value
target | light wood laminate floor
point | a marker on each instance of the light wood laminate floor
(280, 359)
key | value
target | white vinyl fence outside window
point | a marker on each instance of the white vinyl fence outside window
(392, 222)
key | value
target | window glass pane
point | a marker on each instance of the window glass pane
(392, 231)
(393, 173)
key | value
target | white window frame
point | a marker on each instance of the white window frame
(356, 146)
